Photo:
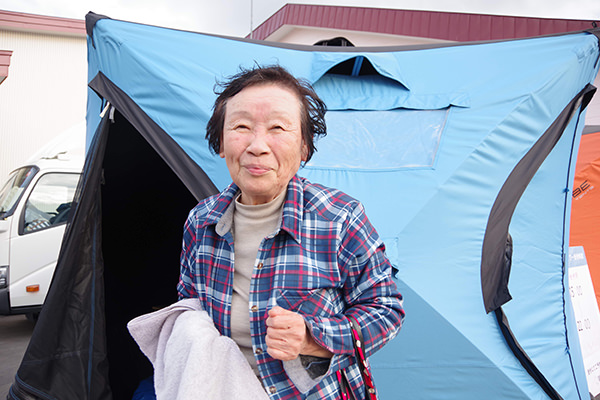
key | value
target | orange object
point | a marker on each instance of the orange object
(585, 208)
(32, 288)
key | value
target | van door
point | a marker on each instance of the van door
(35, 247)
(10, 199)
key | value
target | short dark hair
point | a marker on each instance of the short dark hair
(312, 114)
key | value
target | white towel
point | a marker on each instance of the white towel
(191, 359)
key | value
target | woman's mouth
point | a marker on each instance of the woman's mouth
(256, 169)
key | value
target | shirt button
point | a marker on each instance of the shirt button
(258, 351)
(272, 390)
(260, 265)
(254, 308)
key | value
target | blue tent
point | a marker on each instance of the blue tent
(463, 155)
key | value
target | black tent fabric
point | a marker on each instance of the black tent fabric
(119, 260)
(63, 339)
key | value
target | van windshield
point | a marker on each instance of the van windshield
(13, 189)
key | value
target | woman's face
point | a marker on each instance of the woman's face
(262, 141)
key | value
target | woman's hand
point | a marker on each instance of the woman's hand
(288, 336)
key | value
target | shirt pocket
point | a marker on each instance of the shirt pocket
(322, 302)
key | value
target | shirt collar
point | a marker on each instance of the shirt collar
(293, 208)
(221, 214)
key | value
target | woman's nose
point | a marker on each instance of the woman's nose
(258, 142)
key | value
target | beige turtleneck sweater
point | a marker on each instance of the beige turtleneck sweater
(252, 223)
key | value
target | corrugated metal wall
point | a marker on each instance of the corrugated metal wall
(43, 95)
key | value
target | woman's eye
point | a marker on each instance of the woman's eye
(241, 127)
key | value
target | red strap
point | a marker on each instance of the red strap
(343, 385)
(363, 363)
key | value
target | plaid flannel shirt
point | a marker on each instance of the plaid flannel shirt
(325, 261)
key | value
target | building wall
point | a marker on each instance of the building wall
(311, 35)
(44, 93)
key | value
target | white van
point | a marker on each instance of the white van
(35, 205)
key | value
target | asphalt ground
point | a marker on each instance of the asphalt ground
(15, 331)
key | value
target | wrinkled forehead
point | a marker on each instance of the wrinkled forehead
(265, 97)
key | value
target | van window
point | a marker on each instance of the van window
(49, 203)
(13, 189)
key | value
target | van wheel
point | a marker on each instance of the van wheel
(33, 316)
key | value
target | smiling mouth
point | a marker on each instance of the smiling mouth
(256, 169)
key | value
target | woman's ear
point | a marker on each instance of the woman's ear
(221, 151)
(304, 151)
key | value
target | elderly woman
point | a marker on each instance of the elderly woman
(278, 262)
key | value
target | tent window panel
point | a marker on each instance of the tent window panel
(360, 139)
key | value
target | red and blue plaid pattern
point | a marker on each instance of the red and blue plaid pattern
(326, 262)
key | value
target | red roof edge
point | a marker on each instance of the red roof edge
(41, 23)
(429, 24)
(4, 63)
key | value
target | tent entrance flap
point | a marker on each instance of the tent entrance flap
(144, 207)
(494, 273)
(497, 245)
(149, 186)
(69, 334)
